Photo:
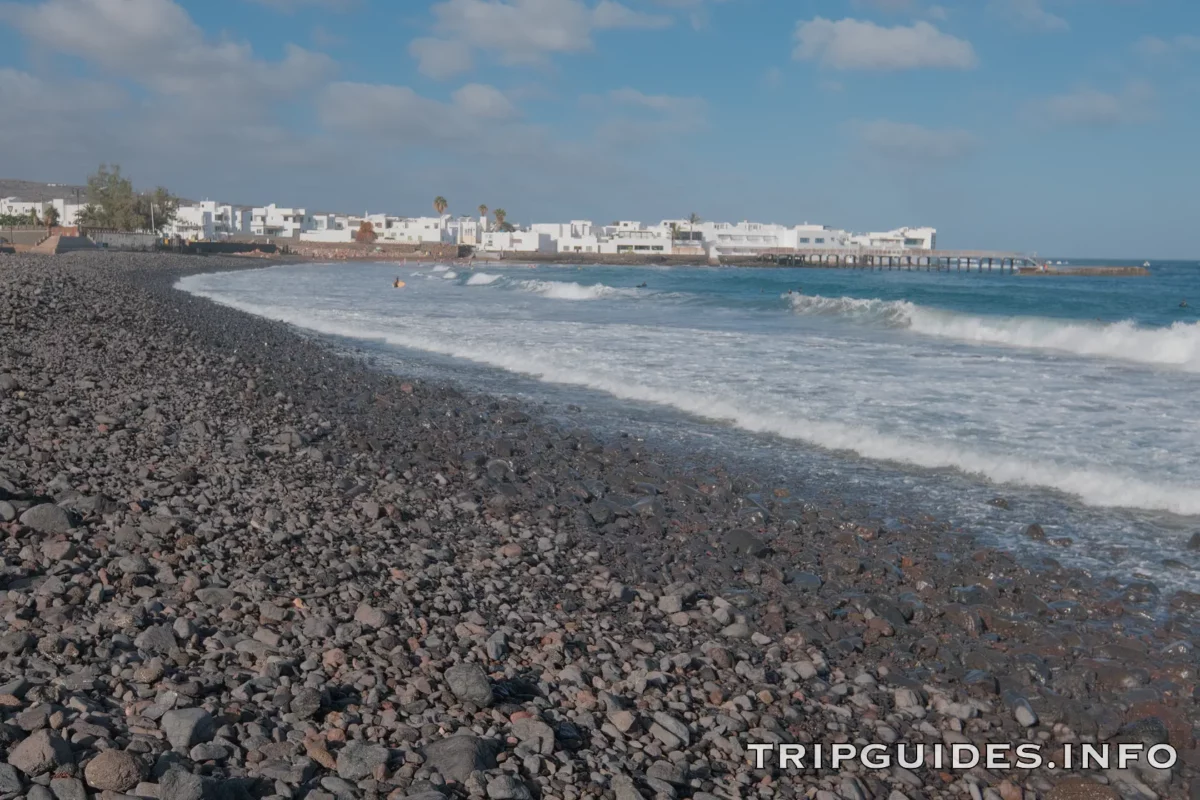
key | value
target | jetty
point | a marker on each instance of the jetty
(934, 261)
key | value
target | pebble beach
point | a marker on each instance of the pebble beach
(238, 563)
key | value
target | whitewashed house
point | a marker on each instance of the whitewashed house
(280, 222)
(68, 213)
(899, 239)
(330, 229)
(576, 236)
(517, 242)
(466, 230)
(634, 237)
(208, 221)
(16, 207)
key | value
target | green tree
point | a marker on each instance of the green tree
(156, 209)
(500, 214)
(50, 217)
(112, 203)
(440, 205)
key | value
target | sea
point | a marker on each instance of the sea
(910, 395)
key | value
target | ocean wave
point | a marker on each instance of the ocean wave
(1177, 345)
(569, 290)
(449, 275)
(441, 268)
(1094, 485)
(482, 279)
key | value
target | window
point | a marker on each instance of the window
(804, 240)
(820, 241)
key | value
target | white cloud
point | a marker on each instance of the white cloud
(909, 143)
(485, 102)
(857, 44)
(1089, 107)
(288, 6)
(519, 31)
(887, 6)
(32, 94)
(201, 101)
(476, 121)
(1155, 47)
(1028, 14)
(209, 116)
(631, 117)
(55, 122)
(609, 15)
(156, 43)
(441, 58)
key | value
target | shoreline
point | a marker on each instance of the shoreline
(743, 262)
(710, 580)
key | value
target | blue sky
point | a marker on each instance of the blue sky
(1064, 127)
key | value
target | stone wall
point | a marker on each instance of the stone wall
(381, 250)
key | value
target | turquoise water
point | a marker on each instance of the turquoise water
(904, 392)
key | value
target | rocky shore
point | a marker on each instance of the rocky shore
(236, 564)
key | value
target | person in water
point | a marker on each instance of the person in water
(1183, 304)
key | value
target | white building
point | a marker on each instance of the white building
(68, 213)
(208, 221)
(466, 230)
(899, 239)
(330, 228)
(517, 242)
(634, 237)
(14, 206)
(576, 236)
(754, 238)
(281, 222)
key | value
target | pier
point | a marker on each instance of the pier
(906, 259)
(935, 261)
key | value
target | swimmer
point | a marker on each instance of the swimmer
(1183, 304)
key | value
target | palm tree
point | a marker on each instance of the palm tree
(693, 221)
(50, 217)
(500, 215)
(483, 211)
(440, 205)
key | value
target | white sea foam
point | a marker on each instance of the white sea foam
(569, 290)
(441, 268)
(482, 279)
(761, 413)
(449, 275)
(1177, 345)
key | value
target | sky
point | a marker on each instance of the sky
(1061, 127)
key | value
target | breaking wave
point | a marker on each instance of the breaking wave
(1095, 486)
(560, 290)
(482, 279)
(1176, 346)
